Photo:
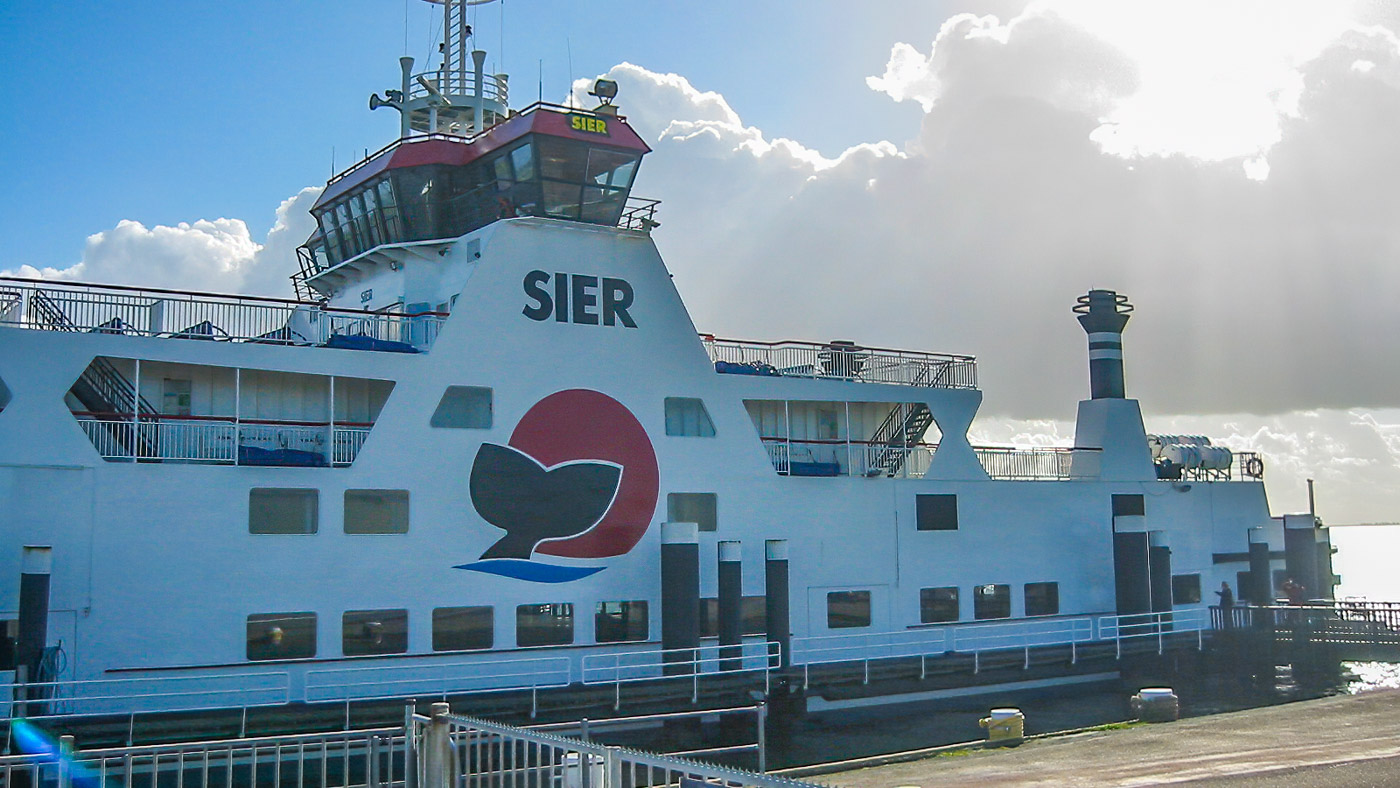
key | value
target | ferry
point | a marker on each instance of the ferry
(482, 448)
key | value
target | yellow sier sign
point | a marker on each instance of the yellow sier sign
(586, 124)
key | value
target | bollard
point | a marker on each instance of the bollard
(437, 749)
(1005, 727)
(1155, 704)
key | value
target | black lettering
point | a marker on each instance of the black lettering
(583, 299)
(561, 298)
(617, 296)
(534, 289)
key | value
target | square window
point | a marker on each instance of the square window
(374, 632)
(936, 512)
(376, 511)
(277, 510)
(847, 609)
(687, 417)
(1128, 505)
(620, 622)
(937, 605)
(463, 628)
(699, 508)
(281, 636)
(1042, 599)
(463, 408)
(544, 625)
(991, 601)
(753, 613)
(1186, 589)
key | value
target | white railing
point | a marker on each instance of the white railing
(1158, 626)
(839, 361)
(216, 441)
(1022, 634)
(112, 309)
(627, 666)
(827, 649)
(848, 458)
(1038, 463)
(440, 679)
(136, 695)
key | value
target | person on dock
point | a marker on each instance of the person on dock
(1227, 604)
(1294, 591)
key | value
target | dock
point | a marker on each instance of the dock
(1338, 741)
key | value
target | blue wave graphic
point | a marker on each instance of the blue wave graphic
(533, 571)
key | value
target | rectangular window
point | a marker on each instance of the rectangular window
(281, 636)
(1186, 589)
(464, 408)
(463, 628)
(687, 417)
(699, 508)
(936, 512)
(937, 605)
(9, 634)
(1042, 599)
(544, 625)
(376, 511)
(374, 632)
(277, 510)
(847, 609)
(753, 613)
(620, 622)
(1127, 505)
(991, 601)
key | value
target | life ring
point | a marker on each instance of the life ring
(1254, 467)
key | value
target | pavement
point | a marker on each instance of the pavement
(1348, 740)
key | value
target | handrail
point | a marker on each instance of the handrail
(829, 346)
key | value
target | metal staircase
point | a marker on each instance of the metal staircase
(902, 428)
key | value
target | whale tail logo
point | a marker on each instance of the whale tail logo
(531, 503)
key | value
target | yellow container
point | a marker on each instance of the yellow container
(1006, 727)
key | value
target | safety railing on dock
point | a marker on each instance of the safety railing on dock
(1342, 622)
(1023, 635)
(1154, 627)
(437, 679)
(689, 664)
(841, 361)
(147, 694)
(48, 305)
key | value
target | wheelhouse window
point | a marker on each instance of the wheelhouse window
(365, 632)
(699, 508)
(620, 622)
(991, 601)
(281, 636)
(687, 417)
(376, 511)
(463, 628)
(463, 408)
(1042, 599)
(847, 609)
(937, 605)
(277, 510)
(544, 625)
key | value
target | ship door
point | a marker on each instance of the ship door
(847, 610)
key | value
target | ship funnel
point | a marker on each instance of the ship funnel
(1103, 314)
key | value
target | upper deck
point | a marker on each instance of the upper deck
(841, 360)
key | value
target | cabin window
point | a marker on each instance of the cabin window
(389, 209)
(278, 510)
(1042, 599)
(544, 625)
(365, 632)
(699, 508)
(753, 616)
(687, 417)
(523, 160)
(175, 397)
(9, 636)
(1127, 505)
(847, 609)
(376, 511)
(464, 408)
(1186, 589)
(353, 243)
(937, 605)
(281, 636)
(463, 628)
(991, 601)
(620, 622)
(936, 512)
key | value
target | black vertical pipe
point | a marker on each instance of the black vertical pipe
(775, 590)
(731, 606)
(35, 568)
(680, 595)
(1300, 553)
(1131, 573)
(1261, 579)
(1159, 572)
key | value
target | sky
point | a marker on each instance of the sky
(931, 175)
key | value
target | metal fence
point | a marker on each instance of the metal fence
(840, 361)
(215, 440)
(137, 695)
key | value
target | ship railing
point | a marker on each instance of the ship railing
(1049, 462)
(862, 648)
(621, 667)
(66, 698)
(363, 757)
(115, 309)
(1024, 635)
(454, 84)
(848, 458)
(216, 439)
(639, 213)
(1156, 626)
(438, 679)
(841, 361)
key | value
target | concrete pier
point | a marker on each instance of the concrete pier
(1338, 741)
